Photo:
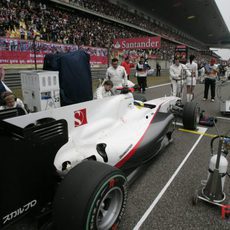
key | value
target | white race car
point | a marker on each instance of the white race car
(76, 160)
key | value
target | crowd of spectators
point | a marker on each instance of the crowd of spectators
(24, 19)
(117, 12)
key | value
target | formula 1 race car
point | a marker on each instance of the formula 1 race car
(74, 163)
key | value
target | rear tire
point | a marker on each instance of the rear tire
(191, 115)
(92, 196)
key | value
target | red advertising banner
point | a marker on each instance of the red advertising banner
(18, 57)
(137, 43)
(16, 51)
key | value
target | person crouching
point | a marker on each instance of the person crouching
(105, 90)
(10, 101)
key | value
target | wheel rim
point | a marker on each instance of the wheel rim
(109, 208)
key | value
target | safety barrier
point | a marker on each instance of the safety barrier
(12, 78)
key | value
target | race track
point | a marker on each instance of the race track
(161, 198)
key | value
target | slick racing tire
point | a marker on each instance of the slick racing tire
(191, 115)
(92, 195)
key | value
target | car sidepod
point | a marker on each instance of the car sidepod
(156, 136)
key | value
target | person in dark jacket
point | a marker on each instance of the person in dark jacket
(158, 70)
(3, 86)
(142, 68)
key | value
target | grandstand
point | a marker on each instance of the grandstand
(66, 25)
(30, 29)
(90, 23)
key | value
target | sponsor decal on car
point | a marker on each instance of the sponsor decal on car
(19, 211)
(80, 117)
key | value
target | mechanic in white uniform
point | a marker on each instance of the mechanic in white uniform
(105, 90)
(191, 80)
(117, 75)
(177, 77)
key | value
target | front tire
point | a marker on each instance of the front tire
(191, 115)
(92, 196)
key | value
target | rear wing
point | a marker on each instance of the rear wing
(27, 175)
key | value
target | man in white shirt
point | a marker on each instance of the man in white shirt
(105, 90)
(142, 68)
(178, 72)
(117, 75)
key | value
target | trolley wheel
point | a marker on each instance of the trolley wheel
(227, 215)
(195, 198)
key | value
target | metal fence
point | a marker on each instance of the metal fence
(13, 80)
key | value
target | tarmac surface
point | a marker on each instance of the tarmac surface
(161, 197)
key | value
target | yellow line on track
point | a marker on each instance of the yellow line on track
(196, 132)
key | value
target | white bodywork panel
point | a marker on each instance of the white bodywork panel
(115, 121)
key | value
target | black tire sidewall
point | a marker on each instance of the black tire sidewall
(80, 193)
(190, 114)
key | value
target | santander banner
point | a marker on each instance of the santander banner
(137, 43)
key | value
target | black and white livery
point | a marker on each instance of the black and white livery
(76, 161)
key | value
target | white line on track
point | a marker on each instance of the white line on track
(156, 86)
(154, 203)
(224, 118)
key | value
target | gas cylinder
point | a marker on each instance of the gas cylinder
(223, 166)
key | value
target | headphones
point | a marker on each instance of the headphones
(4, 96)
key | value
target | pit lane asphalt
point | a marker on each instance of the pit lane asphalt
(173, 209)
